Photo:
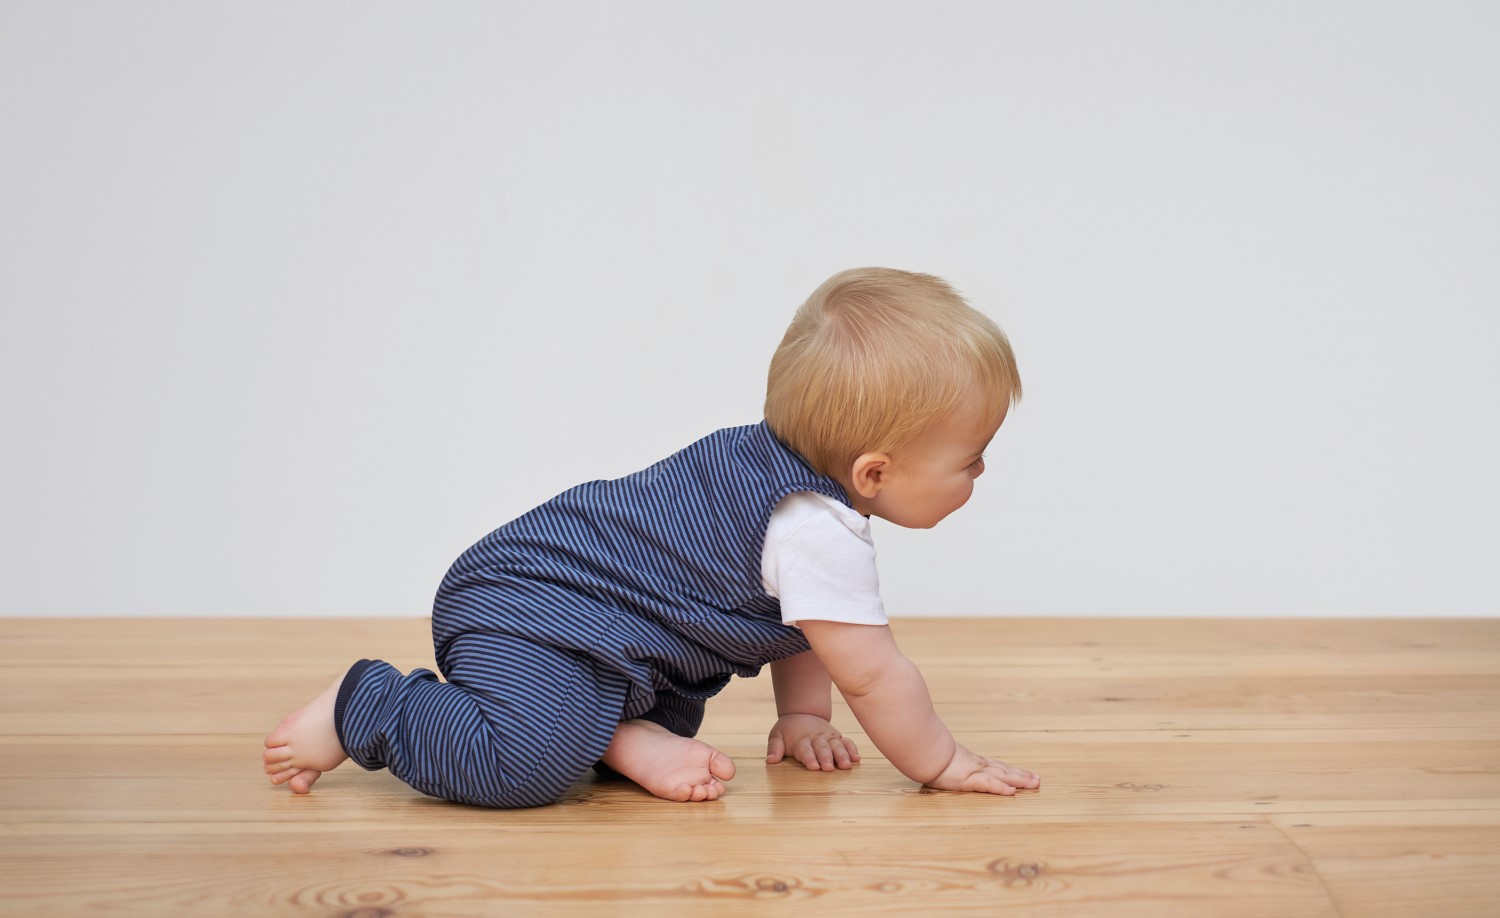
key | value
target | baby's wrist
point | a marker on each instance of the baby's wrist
(783, 715)
(954, 750)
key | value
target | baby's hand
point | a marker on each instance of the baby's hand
(812, 741)
(970, 771)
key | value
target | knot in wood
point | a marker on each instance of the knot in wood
(1015, 870)
(411, 852)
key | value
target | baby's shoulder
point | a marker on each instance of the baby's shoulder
(811, 513)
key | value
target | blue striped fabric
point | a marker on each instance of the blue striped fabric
(633, 597)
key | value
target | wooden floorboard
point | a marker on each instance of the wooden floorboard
(1191, 767)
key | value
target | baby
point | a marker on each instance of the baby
(590, 631)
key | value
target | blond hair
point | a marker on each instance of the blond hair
(874, 358)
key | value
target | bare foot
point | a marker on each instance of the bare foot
(670, 766)
(305, 743)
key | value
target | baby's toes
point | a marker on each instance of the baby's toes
(710, 789)
(302, 781)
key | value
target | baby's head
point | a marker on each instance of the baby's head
(884, 379)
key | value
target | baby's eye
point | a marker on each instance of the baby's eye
(977, 463)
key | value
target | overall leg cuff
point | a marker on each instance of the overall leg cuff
(346, 691)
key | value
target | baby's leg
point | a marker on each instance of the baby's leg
(516, 725)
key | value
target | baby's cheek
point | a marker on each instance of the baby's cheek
(968, 491)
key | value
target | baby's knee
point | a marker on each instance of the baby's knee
(527, 794)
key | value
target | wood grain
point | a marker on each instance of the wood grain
(1191, 767)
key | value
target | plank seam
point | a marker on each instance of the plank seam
(1311, 863)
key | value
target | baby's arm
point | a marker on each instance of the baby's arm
(889, 698)
(804, 705)
(803, 686)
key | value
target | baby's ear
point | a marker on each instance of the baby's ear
(869, 473)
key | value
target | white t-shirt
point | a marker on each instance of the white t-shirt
(819, 560)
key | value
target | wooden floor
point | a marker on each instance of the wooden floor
(1190, 767)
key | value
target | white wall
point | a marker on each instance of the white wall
(301, 299)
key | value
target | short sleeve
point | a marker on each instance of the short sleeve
(819, 560)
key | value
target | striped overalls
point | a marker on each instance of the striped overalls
(635, 597)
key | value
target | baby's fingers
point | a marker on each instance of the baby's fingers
(775, 749)
(802, 751)
(983, 782)
(1017, 777)
(845, 753)
(824, 758)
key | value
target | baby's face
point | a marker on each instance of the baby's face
(935, 475)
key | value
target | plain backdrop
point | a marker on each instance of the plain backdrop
(302, 299)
